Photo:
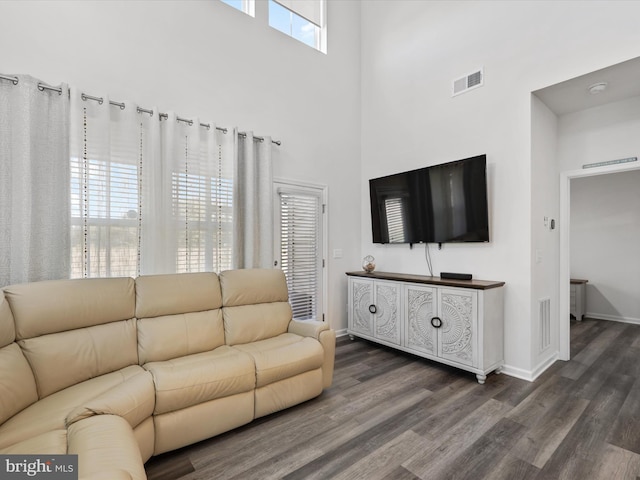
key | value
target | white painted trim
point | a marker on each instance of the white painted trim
(613, 318)
(544, 365)
(341, 333)
(517, 373)
(325, 232)
(530, 375)
(565, 260)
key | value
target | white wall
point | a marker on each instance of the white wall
(411, 52)
(605, 209)
(599, 134)
(206, 59)
(545, 247)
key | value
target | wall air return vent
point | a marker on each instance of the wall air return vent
(468, 82)
(545, 323)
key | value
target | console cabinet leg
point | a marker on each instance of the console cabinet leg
(351, 337)
(481, 378)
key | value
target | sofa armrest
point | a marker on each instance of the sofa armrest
(106, 448)
(327, 338)
(307, 328)
(133, 399)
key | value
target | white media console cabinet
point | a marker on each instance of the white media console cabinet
(456, 322)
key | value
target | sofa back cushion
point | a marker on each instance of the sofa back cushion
(178, 315)
(255, 304)
(73, 330)
(7, 328)
(17, 385)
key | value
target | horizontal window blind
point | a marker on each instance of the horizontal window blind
(202, 203)
(300, 217)
(105, 199)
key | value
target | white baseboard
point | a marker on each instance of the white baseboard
(341, 333)
(613, 318)
(539, 370)
(518, 373)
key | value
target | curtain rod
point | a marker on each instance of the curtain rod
(100, 100)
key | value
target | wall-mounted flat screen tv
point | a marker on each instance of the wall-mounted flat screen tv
(437, 204)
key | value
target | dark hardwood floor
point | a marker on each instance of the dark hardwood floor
(391, 415)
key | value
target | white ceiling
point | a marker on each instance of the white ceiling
(573, 95)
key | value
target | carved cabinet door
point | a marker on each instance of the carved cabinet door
(376, 309)
(361, 297)
(458, 336)
(386, 309)
(420, 304)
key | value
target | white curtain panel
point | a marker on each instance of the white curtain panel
(110, 149)
(253, 203)
(149, 195)
(91, 188)
(34, 182)
(197, 204)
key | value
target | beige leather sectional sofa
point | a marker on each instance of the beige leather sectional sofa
(116, 370)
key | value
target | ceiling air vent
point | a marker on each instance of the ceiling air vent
(468, 82)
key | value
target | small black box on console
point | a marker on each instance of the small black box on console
(455, 276)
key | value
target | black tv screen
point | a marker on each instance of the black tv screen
(438, 204)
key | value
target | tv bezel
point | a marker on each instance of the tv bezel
(376, 224)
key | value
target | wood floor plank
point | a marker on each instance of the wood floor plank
(626, 429)
(169, 467)
(596, 347)
(511, 468)
(577, 456)
(550, 429)
(540, 401)
(369, 438)
(478, 459)
(617, 463)
(395, 416)
(401, 473)
(382, 462)
(445, 414)
(443, 454)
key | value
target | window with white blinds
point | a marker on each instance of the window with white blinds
(203, 211)
(105, 221)
(139, 210)
(300, 238)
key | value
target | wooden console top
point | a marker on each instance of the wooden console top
(407, 277)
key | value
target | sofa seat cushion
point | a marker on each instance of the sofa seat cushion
(194, 379)
(49, 443)
(283, 356)
(50, 413)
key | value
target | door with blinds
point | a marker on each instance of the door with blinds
(299, 245)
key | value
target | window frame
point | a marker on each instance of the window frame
(247, 6)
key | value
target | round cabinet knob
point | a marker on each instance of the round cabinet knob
(372, 309)
(436, 322)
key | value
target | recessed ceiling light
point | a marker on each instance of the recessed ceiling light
(597, 88)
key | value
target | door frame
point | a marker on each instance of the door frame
(323, 190)
(564, 336)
